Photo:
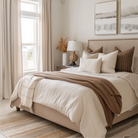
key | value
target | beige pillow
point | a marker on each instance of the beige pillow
(90, 51)
(135, 64)
(108, 62)
(90, 56)
(90, 65)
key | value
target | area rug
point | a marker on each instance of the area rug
(26, 125)
(135, 135)
(3, 135)
(123, 127)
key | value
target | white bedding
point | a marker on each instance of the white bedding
(80, 103)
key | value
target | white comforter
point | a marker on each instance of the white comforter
(80, 103)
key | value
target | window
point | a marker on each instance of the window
(30, 33)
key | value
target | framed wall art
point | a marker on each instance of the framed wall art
(106, 18)
(129, 16)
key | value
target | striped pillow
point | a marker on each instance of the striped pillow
(124, 59)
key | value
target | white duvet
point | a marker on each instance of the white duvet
(80, 103)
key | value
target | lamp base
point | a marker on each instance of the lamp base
(72, 64)
(73, 58)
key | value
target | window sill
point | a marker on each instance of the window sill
(28, 72)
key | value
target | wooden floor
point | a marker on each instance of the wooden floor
(26, 125)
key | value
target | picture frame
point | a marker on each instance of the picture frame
(129, 17)
(106, 18)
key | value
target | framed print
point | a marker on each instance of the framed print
(106, 18)
(129, 16)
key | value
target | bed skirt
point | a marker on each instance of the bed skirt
(58, 118)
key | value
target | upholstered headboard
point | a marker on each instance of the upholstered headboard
(109, 44)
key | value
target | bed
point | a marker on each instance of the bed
(61, 118)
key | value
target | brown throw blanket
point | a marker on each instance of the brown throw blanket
(104, 89)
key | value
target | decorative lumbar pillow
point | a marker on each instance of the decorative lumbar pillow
(90, 65)
(108, 62)
(124, 59)
(134, 67)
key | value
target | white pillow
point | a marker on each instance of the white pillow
(90, 65)
(135, 64)
(108, 62)
(101, 55)
(88, 55)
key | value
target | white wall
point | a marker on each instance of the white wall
(79, 21)
(75, 19)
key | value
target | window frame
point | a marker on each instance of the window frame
(28, 2)
(32, 15)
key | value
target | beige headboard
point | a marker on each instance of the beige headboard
(109, 44)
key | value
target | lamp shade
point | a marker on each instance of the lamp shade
(74, 46)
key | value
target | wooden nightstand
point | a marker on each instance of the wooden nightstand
(64, 67)
(61, 67)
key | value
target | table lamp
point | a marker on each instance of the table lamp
(74, 46)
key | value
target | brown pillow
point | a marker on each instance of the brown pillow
(124, 59)
(90, 51)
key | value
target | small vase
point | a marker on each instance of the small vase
(64, 58)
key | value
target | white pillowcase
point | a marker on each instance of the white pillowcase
(90, 56)
(135, 64)
(90, 65)
(108, 62)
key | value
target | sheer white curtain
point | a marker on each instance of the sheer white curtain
(45, 60)
(10, 47)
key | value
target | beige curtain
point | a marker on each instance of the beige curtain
(10, 47)
(45, 60)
